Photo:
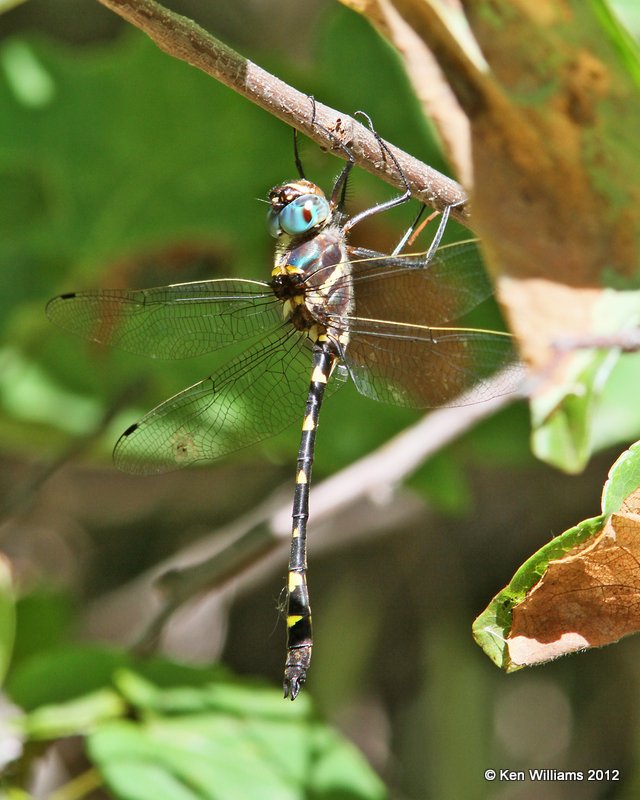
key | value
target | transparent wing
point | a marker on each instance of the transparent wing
(419, 367)
(254, 396)
(407, 289)
(178, 321)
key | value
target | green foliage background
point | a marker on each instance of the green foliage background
(111, 154)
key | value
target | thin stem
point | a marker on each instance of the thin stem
(184, 39)
(79, 787)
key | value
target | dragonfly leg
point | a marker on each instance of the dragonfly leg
(409, 234)
(296, 156)
(339, 191)
(395, 201)
(299, 633)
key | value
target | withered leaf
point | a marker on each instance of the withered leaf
(588, 598)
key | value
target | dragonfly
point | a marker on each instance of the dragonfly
(330, 312)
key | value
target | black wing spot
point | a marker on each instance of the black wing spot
(130, 430)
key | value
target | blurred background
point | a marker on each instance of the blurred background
(121, 167)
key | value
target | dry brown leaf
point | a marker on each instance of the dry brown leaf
(438, 101)
(589, 598)
(553, 197)
(631, 504)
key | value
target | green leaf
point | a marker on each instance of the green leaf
(74, 717)
(64, 675)
(160, 729)
(623, 480)
(44, 620)
(224, 740)
(617, 13)
(598, 575)
(617, 418)
(563, 416)
(491, 628)
(192, 690)
(219, 756)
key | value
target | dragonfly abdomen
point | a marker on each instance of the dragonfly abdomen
(299, 632)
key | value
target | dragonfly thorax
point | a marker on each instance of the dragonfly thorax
(288, 286)
(312, 278)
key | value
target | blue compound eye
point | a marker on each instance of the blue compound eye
(273, 223)
(301, 215)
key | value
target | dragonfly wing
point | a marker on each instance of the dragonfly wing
(178, 321)
(251, 398)
(405, 288)
(418, 367)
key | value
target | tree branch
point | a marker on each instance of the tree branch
(184, 39)
(266, 530)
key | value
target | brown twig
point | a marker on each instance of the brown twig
(627, 341)
(249, 540)
(184, 39)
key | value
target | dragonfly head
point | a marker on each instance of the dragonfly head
(297, 208)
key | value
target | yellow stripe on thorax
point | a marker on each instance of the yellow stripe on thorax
(285, 269)
(336, 274)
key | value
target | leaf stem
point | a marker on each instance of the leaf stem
(79, 787)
